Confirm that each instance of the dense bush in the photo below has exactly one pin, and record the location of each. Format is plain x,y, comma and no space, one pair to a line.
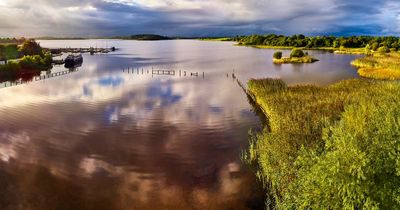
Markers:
10,67
28,62
30,47
383,50
297,53
36,62
278,55
8,51
359,168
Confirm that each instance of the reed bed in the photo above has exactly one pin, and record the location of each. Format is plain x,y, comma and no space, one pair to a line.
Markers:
379,66
302,120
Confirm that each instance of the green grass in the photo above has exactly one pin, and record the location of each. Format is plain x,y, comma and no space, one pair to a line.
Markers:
305,59
302,120
379,66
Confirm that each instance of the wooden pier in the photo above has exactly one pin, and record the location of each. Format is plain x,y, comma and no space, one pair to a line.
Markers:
91,50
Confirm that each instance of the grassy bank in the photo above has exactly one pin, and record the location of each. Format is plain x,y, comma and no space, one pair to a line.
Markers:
329,147
266,46
353,51
379,66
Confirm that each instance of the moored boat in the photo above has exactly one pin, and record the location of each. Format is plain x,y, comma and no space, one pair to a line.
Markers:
73,60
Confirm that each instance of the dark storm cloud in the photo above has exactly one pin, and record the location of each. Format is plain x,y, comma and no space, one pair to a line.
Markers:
197,18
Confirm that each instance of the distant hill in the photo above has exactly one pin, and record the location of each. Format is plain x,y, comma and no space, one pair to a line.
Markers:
150,37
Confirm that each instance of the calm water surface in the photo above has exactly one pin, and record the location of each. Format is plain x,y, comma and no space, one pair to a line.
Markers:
105,137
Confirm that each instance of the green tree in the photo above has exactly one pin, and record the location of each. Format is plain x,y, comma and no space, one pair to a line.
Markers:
30,47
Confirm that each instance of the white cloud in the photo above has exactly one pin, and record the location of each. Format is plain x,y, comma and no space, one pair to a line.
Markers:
194,17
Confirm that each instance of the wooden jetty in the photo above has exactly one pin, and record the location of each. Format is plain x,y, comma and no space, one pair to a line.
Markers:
90,50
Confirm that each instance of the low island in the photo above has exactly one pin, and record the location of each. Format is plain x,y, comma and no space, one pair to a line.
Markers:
296,56
147,37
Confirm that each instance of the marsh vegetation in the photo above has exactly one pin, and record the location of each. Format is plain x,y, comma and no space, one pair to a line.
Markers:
381,65
334,147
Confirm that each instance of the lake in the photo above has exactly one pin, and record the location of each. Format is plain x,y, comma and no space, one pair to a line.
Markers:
117,134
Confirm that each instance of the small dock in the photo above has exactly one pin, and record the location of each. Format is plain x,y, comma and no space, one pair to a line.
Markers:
91,50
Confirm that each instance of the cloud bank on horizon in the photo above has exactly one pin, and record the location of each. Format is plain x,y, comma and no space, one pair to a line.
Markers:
87,18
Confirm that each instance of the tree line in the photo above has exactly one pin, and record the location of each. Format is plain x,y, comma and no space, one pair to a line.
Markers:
301,40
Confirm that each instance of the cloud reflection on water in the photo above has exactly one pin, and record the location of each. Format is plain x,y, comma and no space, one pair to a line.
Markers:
104,138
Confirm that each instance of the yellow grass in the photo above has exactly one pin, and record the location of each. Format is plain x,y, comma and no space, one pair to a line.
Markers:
379,66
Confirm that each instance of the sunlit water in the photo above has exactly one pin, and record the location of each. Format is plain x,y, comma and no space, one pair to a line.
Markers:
105,137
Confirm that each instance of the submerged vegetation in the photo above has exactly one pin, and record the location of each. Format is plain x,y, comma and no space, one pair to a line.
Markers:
296,56
334,147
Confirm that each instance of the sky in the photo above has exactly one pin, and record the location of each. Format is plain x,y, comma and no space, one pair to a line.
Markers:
94,18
